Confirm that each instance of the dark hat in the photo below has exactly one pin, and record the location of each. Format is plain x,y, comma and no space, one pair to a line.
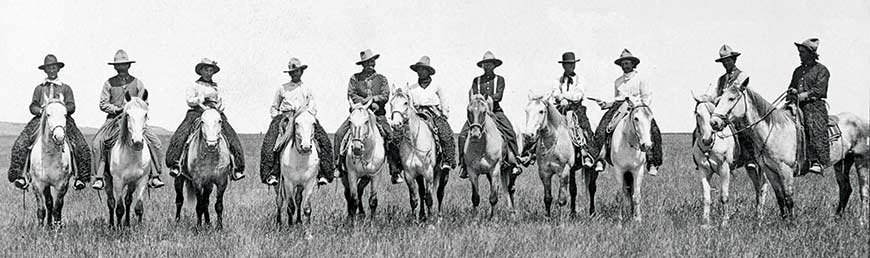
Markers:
725,52
568,57
206,62
489,57
423,63
50,60
627,55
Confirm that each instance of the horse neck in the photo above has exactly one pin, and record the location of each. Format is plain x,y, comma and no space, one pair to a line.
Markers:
765,119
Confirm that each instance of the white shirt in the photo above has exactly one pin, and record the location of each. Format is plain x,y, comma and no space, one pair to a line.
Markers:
432,95
633,86
573,92
291,96
199,92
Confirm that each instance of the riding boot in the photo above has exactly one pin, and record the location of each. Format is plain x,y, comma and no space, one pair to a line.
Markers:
527,156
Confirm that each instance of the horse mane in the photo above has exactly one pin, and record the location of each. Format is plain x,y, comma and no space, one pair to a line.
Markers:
762,107
481,98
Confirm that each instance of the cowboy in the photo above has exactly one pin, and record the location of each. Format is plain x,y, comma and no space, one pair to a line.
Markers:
808,90
492,86
568,95
51,87
431,101
364,86
202,95
292,97
112,101
633,86
735,77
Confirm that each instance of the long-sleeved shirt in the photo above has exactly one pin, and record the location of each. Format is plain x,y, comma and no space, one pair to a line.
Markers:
489,86
56,88
374,86
811,79
292,96
634,87
204,93
733,78
112,98
431,95
573,91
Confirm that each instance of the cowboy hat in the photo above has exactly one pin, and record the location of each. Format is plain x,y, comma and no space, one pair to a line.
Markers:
366,55
725,52
627,55
489,57
206,62
294,65
121,58
811,44
423,63
568,57
50,60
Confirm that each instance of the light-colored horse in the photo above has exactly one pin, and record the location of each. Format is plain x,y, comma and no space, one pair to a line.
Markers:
716,154
207,167
417,150
484,148
628,146
364,160
130,162
774,137
299,168
51,162
554,149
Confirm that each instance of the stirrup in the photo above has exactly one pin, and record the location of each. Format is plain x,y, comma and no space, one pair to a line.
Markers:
397,179
78,184
816,168
21,183
237,176
155,183
98,184
599,166
322,181
272,181
174,172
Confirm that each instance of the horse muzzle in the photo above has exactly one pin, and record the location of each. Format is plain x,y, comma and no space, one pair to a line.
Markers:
717,123
138,145
645,147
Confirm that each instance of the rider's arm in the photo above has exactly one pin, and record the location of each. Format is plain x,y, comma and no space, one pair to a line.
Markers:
274,110
442,97
820,89
68,99
576,91
312,104
498,89
194,97
105,106
352,92
645,91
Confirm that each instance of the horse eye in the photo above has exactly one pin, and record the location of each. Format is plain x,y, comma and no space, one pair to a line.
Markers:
541,112
731,99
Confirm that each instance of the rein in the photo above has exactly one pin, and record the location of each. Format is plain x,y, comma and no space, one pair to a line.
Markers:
725,119
636,133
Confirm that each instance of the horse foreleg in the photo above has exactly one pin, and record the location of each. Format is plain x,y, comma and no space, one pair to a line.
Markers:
429,189
776,182
863,170
708,199
474,179
636,197
350,193
58,195
572,191
219,203
724,197
441,180
279,203
206,194
49,206
590,177
41,206
841,172
495,185
373,197
310,188
759,183
546,180
179,197
412,195
788,188
128,200
564,182
360,190
121,197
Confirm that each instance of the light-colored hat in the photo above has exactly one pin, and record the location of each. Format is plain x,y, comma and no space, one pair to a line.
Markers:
366,55
121,58
206,62
50,60
811,44
725,52
294,65
423,63
489,57
627,55
568,57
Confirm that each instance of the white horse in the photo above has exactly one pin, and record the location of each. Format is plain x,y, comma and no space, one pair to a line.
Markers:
555,149
299,168
628,146
484,148
715,154
130,163
51,162
364,160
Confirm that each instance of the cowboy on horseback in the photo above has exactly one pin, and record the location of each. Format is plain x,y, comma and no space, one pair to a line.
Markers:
50,88
807,91
568,95
290,98
364,86
112,101
202,95
431,101
634,87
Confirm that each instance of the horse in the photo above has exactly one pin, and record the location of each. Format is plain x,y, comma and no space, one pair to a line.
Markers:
299,168
715,154
417,151
51,163
630,141
484,149
554,151
365,158
207,167
130,162
774,134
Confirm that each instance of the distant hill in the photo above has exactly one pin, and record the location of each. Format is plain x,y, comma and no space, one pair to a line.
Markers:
14,129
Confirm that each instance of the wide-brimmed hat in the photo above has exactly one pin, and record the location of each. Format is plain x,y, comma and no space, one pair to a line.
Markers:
50,60
206,62
294,65
489,57
366,55
725,52
627,55
568,57
811,44
121,58
423,63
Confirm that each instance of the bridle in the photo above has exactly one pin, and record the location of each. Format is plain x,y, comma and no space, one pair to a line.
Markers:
636,131
55,127
358,134
474,123
742,96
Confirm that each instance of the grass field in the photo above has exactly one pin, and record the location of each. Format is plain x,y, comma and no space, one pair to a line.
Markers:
671,225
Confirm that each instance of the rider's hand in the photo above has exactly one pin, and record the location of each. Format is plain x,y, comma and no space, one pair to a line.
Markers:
792,91
374,106
603,104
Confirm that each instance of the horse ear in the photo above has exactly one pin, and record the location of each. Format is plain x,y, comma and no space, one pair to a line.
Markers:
697,99
127,96
368,103
531,95
145,95
744,84
349,102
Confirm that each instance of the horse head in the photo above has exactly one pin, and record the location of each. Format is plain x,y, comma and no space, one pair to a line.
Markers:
136,116
640,119
54,120
303,131
402,107
537,111
362,125
732,105
704,105
478,109
211,127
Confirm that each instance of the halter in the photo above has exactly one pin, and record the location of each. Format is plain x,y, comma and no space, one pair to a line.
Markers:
202,133
474,123
298,139
704,147
357,134
636,133
742,96
45,116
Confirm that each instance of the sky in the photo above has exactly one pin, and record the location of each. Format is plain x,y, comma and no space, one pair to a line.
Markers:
252,41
